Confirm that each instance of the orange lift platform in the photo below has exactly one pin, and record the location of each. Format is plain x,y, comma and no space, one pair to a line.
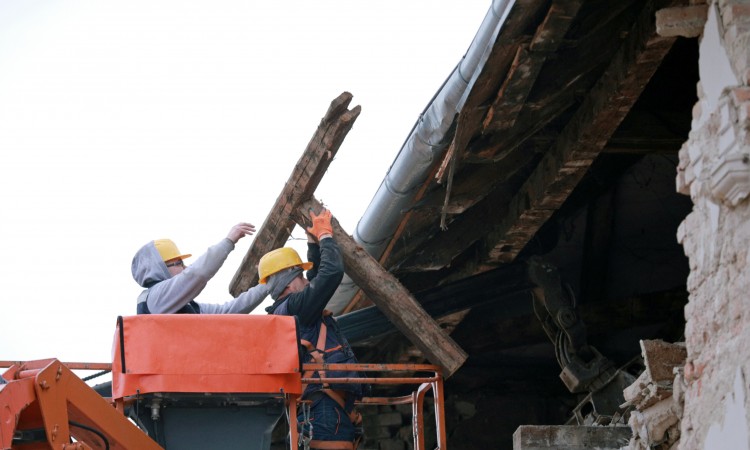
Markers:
185,382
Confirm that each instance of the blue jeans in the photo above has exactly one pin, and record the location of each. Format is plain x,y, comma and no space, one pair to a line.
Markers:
329,420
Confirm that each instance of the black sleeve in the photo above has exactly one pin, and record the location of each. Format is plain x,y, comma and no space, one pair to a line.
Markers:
313,255
308,304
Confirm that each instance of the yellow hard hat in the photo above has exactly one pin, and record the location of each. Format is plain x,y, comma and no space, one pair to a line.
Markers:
278,260
168,250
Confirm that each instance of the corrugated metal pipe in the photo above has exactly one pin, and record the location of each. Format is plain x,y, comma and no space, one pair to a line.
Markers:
425,144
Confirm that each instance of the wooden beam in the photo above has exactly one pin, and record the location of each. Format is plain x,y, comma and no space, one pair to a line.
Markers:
395,301
438,253
507,285
624,80
582,139
301,185
560,85
511,96
528,62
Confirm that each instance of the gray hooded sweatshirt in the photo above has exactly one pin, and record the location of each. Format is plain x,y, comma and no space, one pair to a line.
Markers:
165,294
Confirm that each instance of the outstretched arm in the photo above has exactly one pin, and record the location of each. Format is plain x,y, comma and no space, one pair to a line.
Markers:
172,294
243,304
309,304
240,230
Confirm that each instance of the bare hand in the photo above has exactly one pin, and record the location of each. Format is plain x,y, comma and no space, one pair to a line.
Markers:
240,230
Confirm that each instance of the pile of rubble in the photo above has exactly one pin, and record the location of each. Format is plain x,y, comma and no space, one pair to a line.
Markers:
656,398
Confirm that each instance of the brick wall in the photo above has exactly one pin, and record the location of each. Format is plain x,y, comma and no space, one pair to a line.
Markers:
715,171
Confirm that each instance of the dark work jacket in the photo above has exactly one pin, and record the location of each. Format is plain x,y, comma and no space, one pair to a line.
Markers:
308,305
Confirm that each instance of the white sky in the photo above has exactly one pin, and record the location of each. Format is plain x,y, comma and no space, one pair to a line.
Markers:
123,122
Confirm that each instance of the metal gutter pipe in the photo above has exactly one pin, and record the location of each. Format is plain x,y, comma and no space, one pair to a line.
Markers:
426,142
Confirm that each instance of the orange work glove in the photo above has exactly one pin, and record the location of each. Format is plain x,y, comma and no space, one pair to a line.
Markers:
321,224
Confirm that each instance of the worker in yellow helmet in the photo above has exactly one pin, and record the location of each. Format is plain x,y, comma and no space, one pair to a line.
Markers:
335,422
171,287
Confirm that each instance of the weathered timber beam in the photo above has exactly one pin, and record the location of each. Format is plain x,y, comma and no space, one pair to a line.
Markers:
479,195
462,232
504,111
560,85
553,29
509,100
582,139
482,91
508,284
301,185
395,301
528,62
500,60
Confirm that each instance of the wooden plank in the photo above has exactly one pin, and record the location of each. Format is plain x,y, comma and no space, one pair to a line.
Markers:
436,254
395,301
558,87
508,285
553,180
522,76
555,26
513,92
510,99
582,139
301,185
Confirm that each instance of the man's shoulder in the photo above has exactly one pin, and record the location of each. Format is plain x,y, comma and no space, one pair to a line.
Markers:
280,308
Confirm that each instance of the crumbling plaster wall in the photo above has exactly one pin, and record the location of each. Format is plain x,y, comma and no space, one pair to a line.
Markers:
714,170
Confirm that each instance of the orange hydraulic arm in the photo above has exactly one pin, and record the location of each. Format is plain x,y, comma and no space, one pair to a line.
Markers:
163,362
46,400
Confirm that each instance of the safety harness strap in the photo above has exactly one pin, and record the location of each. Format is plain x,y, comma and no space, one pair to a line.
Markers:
354,415
316,353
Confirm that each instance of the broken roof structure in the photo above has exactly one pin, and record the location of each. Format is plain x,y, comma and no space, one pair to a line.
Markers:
532,212
542,131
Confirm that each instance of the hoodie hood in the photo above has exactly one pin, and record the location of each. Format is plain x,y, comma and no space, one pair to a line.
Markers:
147,267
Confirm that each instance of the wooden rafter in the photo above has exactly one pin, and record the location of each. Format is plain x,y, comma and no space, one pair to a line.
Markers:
292,205
528,62
305,177
392,298
520,216
583,138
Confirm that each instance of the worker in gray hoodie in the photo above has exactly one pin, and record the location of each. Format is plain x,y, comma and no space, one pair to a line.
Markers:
171,287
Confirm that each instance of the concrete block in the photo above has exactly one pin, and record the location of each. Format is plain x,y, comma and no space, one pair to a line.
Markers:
570,437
